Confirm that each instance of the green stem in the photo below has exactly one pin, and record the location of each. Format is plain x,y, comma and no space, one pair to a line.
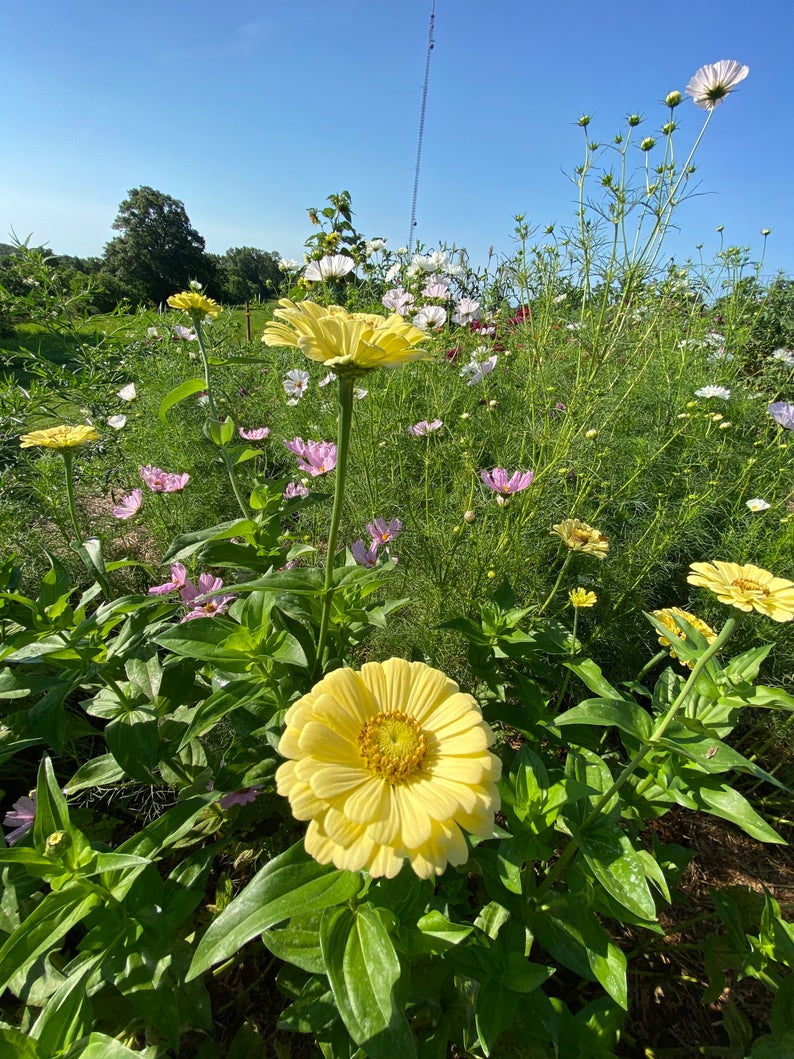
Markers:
67,459
214,414
568,853
346,385
553,592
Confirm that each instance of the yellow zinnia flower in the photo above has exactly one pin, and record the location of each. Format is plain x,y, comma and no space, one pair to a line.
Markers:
747,587
343,340
196,305
389,763
62,437
580,597
580,537
666,618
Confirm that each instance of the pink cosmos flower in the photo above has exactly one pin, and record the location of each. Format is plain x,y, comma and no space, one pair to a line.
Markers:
256,434
465,311
398,300
439,290
203,605
498,480
478,369
160,481
178,579
420,429
365,556
185,334
382,531
191,593
21,816
314,457
129,505
295,489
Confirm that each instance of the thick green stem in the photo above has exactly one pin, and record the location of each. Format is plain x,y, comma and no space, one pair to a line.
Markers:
67,459
346,385
214,415
557,583
664,723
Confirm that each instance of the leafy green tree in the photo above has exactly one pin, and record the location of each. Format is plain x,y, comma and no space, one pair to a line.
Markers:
247,274
158,251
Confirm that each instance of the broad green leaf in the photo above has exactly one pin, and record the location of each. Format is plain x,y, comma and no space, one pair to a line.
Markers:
615,864
291,884
44,927
90,551
721,800
363,969
496,1009
188,543
68,1014
179,393
100,771
590,675
100,1046
16,1045
298,943
52,812
622,713
214,708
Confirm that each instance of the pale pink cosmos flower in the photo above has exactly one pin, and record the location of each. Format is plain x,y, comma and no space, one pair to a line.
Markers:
185,334
327,380
160,481
436,290
295,489
129,505
499,480
465,311
783,414
21,816
198,599
478,369
332,266
365,556
178,580
256,434
713,82
297,445
422,428
382,532
398,300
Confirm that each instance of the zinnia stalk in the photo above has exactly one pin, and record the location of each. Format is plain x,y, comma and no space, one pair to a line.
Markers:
388,764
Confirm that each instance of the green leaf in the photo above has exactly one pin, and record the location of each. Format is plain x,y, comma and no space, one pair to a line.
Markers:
100,771
187,543
100,1046
570,932
19,1045
52,812
298,943
220,431
622,713
231,696
496,1009
363,969
179,393
68,1014
291,884
721,800
615,864
590,675
90,551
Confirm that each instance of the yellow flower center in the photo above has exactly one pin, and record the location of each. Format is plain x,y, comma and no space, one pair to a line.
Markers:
746,584
581,536
393,745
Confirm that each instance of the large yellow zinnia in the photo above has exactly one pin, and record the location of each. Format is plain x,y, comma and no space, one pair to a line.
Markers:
580,537
747,587
389,763
62,437
343,340
196,305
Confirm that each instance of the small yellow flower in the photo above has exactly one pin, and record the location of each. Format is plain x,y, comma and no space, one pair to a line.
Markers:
196,305
342,340
62,437
746,587
580,537
580,597
590,433
666,618
388,764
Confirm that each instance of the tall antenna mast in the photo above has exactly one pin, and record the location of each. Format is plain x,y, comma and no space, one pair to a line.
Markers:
422,111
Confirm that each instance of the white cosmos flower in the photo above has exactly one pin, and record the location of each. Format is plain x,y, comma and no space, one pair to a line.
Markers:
117,422
478,369
465,311
332,266
431,318
374,245
127,393
713,82
713,391
295,384
784,356
757,504
289,264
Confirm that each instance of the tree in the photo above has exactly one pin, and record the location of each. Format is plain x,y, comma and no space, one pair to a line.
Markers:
158,251
247,274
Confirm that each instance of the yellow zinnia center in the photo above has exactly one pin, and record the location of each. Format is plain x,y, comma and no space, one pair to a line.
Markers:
746,584
393,745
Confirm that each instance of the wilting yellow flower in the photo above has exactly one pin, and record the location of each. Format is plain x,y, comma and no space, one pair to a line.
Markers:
580,537
666,618
580,597
62,437
389,763
195,304
340,340
747,587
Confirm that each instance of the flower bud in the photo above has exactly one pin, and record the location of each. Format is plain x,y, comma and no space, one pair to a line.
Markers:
584,121
669,128
469,516
672,99
647,143
590,433
765,231
57,843
634,120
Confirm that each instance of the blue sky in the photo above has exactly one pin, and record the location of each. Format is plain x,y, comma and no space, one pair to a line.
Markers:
250,112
